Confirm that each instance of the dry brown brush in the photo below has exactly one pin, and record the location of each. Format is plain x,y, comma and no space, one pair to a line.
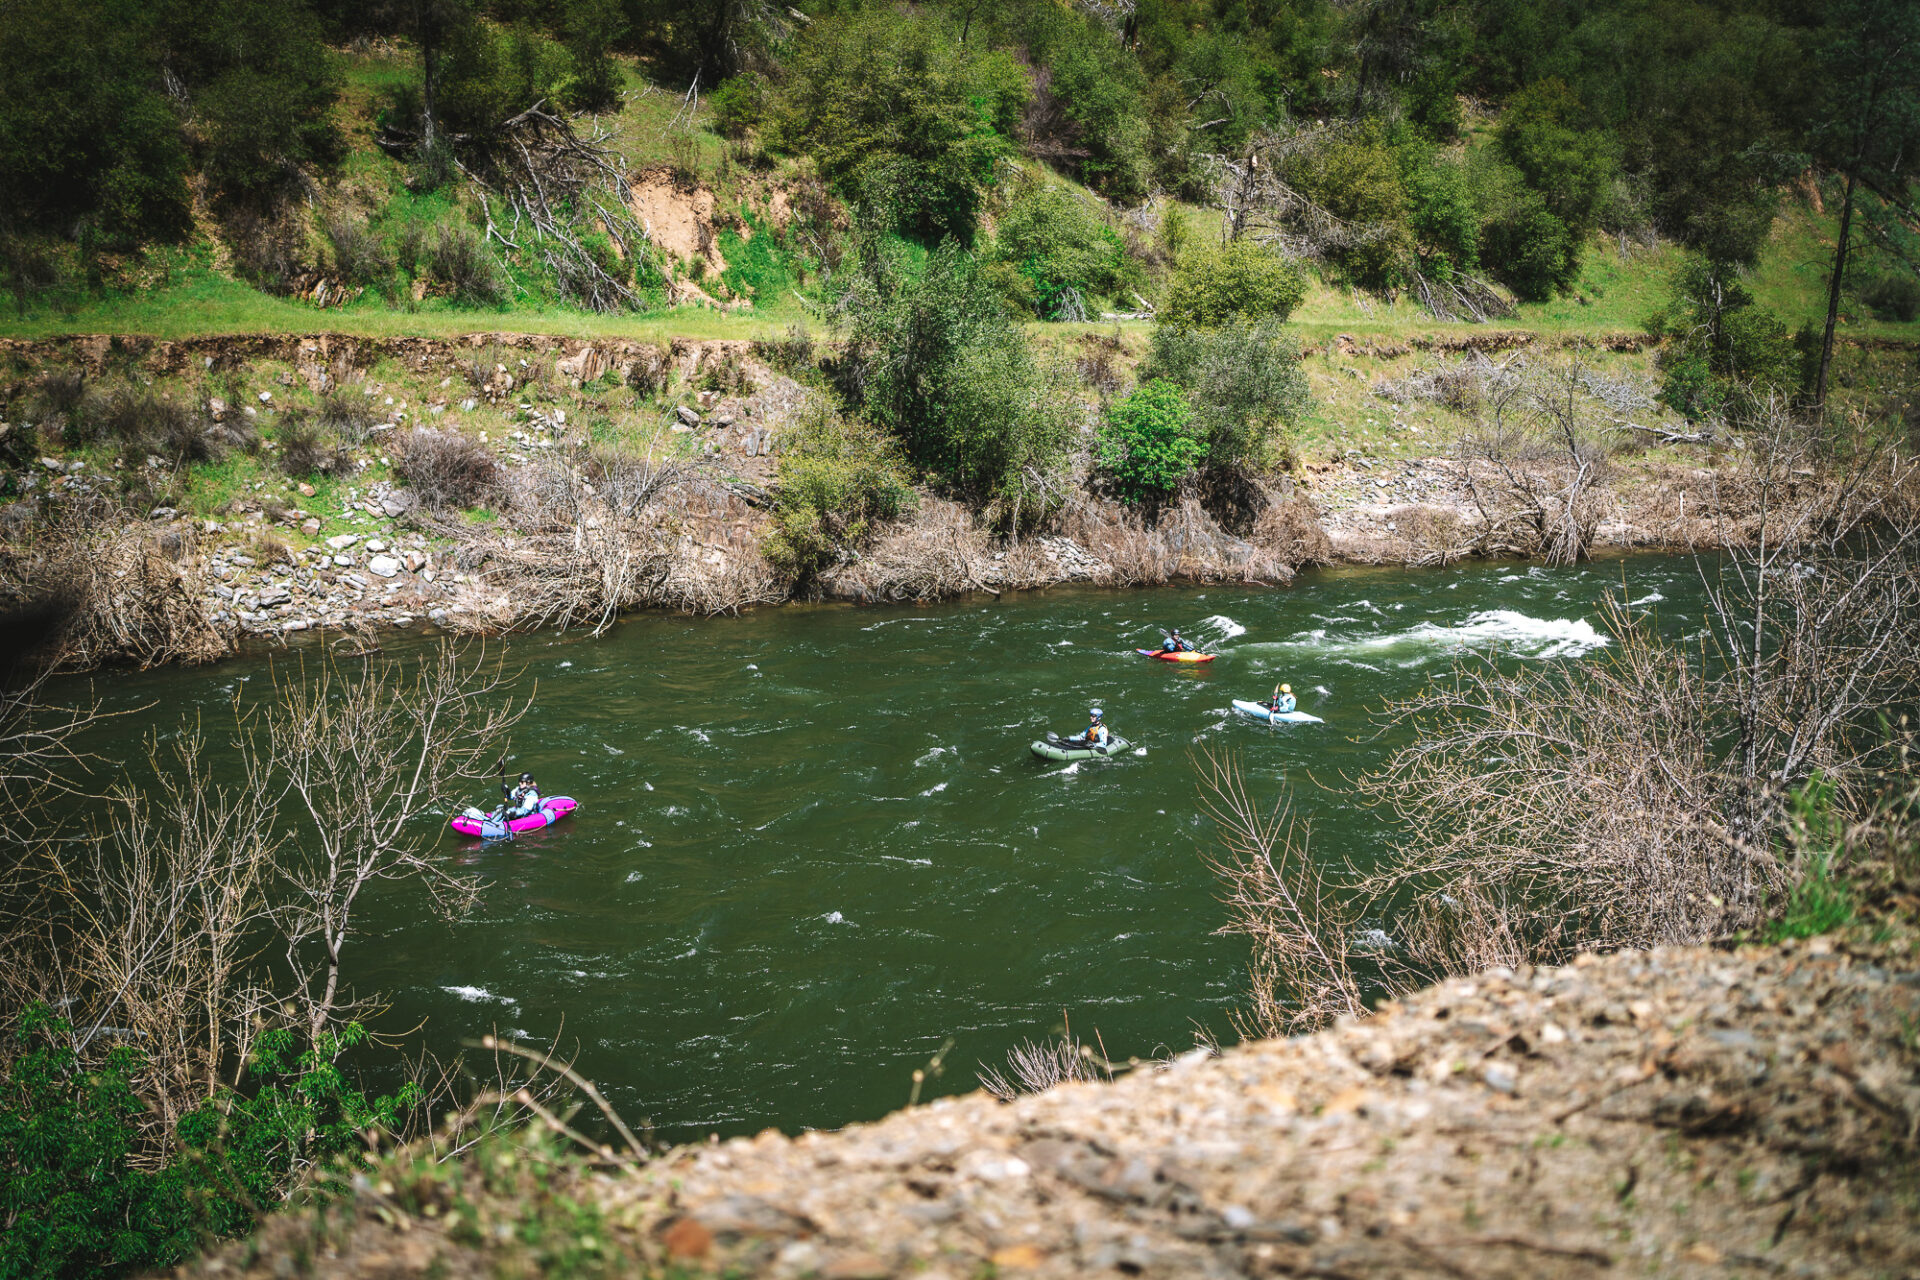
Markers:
1643,798
125,589
1278,897
196,914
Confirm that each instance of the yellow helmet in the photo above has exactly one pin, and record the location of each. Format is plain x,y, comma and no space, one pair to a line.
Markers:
1286,688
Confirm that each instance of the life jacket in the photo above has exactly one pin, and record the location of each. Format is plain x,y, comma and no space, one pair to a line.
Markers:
1097,733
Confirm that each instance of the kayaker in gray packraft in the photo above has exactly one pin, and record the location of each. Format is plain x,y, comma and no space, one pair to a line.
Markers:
1096,734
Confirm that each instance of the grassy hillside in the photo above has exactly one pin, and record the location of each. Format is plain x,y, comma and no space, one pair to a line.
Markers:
197,289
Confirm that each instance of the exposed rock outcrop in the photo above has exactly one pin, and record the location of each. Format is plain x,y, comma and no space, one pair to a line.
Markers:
1675,1113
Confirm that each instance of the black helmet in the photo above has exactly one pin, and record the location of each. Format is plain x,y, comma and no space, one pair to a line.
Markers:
526,777
1176,631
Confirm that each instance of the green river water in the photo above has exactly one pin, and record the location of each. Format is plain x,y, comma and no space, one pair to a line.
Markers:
813,845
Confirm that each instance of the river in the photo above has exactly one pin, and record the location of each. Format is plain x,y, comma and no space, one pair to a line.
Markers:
813,846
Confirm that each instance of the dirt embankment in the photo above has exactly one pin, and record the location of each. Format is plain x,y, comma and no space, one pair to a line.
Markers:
1676,1113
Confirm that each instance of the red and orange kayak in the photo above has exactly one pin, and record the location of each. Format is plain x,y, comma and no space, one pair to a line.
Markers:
1188,656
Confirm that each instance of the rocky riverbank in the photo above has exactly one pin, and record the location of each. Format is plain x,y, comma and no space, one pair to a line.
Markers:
696,430
1677,1113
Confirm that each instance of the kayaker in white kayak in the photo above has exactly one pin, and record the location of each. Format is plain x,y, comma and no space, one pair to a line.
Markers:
1283,700
522,800
1096,734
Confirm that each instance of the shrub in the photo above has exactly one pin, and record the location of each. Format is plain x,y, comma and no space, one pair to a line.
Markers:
1238,281
460,260
1724,355
358,255
935,360
899,115
306,449
1358,181
1245,384
838,478
347,415
1894,297
445,468
739,105
1149,442
1050,246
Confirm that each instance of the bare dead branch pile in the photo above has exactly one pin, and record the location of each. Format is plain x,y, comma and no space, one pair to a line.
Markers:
1534,471
939,551
563,202
129,589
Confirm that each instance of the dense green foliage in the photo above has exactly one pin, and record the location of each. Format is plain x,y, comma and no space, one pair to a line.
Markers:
934,358
1149,443
1724,353
1245,383
106,106
1051,250
899,116
81,1190
839,478
1237,281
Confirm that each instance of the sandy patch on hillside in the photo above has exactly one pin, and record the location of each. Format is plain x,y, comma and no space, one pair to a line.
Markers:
679,219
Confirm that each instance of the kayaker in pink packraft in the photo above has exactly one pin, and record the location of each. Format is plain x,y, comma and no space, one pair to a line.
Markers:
522,800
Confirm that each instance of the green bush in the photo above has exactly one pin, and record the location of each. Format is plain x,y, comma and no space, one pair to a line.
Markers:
1245,383
1358,180
1050,242
934,358
739,105
838,478
1724,355
1523,244
86,1193
1239,281
1149,442
899,116
1892,297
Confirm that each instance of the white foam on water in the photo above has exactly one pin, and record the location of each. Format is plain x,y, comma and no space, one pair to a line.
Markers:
930,756
912,862
935,789
834,917
1652,597
753,666
477,995
1226,626
634,877
566,664
611,750
1504,629
698,733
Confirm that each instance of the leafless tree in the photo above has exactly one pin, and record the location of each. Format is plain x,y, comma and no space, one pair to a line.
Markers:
1641,799
1535,468
362,750
1278,897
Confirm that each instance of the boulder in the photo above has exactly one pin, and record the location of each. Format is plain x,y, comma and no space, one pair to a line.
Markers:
383,566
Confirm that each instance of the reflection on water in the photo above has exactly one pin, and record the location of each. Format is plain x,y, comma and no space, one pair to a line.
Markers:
813,844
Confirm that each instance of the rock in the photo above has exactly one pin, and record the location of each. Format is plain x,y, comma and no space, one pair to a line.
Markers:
344,560
309,527
383,566
341,541
305,490
688,416
376,545
266,397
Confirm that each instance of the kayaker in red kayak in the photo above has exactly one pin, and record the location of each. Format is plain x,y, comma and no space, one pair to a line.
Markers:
1174,644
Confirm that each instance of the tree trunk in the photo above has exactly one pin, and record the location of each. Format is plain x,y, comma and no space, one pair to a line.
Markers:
430,74
1833,299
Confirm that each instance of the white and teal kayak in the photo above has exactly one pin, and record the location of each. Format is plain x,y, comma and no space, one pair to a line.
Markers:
1064,750
1259,712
